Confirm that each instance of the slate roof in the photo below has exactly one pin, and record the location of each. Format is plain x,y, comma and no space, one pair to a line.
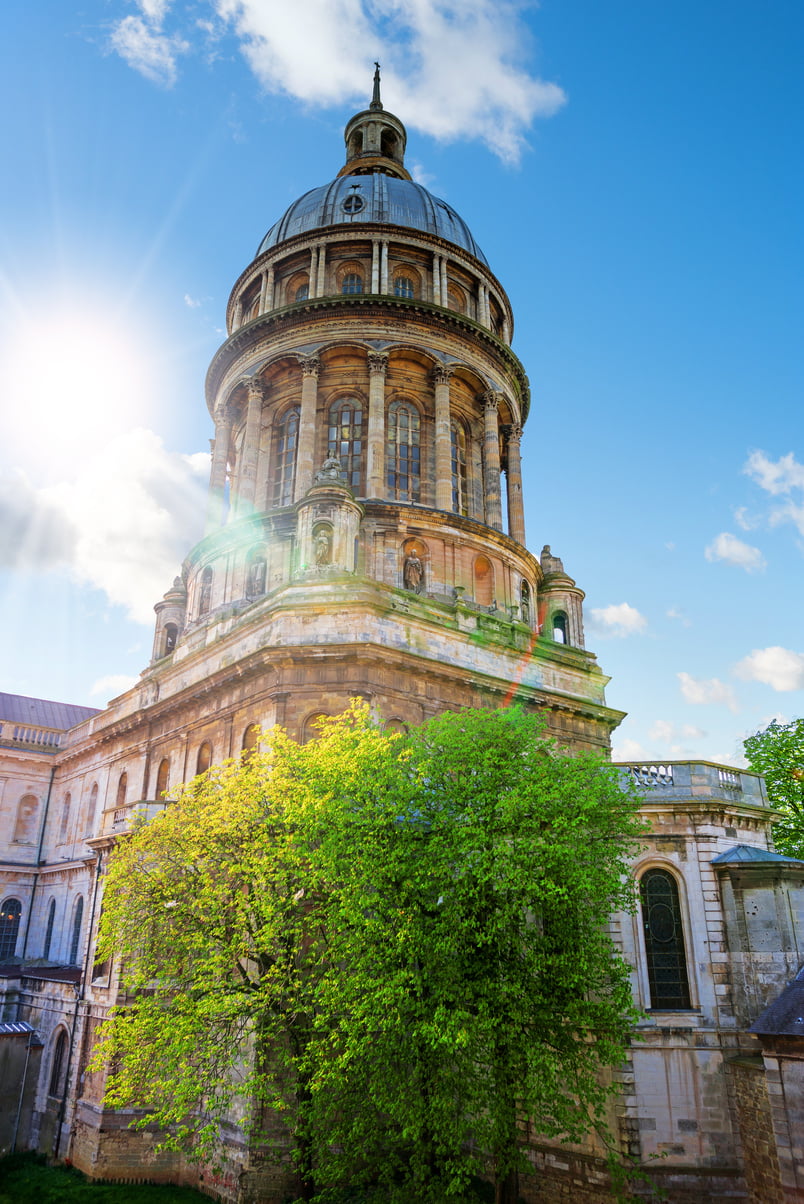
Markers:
38,712
747,853
785,1016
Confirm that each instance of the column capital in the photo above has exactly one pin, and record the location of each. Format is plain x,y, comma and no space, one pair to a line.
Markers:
442,374
377,362
512,432
491,399
257,389
222,414
310,364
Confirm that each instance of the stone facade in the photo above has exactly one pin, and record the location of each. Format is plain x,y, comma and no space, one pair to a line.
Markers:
366,537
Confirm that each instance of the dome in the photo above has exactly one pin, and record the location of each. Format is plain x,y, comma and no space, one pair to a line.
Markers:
375,198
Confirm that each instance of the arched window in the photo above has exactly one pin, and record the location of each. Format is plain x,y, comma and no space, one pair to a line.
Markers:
524,602
352,283
251,738
458,466
302,292
455,300
388,143
25,825
65,817
204,758
9,927
310,729
484,581
171,635
560,627
287,439
122,787
51,918
664,941
345,439
403,452
205,595
75,931
57,1066
91,810
162,779
403,287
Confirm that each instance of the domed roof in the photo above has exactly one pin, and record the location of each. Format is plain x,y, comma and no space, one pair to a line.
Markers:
376,198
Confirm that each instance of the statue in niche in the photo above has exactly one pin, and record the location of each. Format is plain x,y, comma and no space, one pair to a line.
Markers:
330,470
256,578
413,573
524,598
323,548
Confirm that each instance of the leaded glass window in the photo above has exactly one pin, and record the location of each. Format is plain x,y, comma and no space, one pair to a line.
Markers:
403,452
403,287
352,283
664,941
287,440
75,937
458,463
345,439
9,927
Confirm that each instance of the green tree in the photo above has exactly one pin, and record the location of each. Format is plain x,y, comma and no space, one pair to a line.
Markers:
400,943
777,752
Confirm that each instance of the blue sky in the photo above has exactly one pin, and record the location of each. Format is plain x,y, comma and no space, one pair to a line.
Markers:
632,171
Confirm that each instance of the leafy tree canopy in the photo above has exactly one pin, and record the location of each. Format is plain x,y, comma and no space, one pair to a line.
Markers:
397,945
778,754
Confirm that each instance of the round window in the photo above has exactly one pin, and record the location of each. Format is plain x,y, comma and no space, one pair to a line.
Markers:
353,203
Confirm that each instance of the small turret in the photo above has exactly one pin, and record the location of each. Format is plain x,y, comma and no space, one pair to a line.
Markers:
375,140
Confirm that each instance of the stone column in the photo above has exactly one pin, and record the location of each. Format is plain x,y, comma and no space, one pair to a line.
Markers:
375,438
384,269
251,446
491,460
506,332
443,441
513,477
314,272
437,279
444,283
217,475
375,266
267,291
305,452
322,271
238,315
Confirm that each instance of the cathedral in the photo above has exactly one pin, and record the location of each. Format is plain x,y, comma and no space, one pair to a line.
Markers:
365,537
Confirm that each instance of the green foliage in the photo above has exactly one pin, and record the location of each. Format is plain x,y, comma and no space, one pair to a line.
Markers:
778,754
399,944
27,1179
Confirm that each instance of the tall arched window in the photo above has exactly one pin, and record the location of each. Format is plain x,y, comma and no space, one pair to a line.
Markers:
346,439
458,466
65,817
403,452
57,1066
484,581
205,593
75,931
10,914
287,440
352,283
122,787
560,627
171,635
25,825
664,941
51,919
251,738
91,810
310,729
162,778
204,758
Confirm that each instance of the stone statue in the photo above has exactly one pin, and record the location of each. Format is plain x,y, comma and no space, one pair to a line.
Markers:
413,573
206,597
330,470
256,578
323,548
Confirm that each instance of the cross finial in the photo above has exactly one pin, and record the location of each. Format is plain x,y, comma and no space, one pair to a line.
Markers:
376,103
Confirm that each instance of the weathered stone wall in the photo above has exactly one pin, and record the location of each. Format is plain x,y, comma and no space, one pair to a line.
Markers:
753,1112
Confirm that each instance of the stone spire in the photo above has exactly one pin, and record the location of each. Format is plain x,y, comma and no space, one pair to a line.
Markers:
376,103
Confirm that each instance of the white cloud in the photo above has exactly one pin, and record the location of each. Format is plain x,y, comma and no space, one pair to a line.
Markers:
629,750
144,45
110,686
732,550
708,691
665,732
619,619
122,526
675,612
744,520
775,476
192,302
777,667
452,68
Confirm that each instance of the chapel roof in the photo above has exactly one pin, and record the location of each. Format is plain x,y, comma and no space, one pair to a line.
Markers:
39,712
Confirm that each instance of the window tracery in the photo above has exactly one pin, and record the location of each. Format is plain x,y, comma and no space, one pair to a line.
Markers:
403,452
287,441
345,439
664,940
